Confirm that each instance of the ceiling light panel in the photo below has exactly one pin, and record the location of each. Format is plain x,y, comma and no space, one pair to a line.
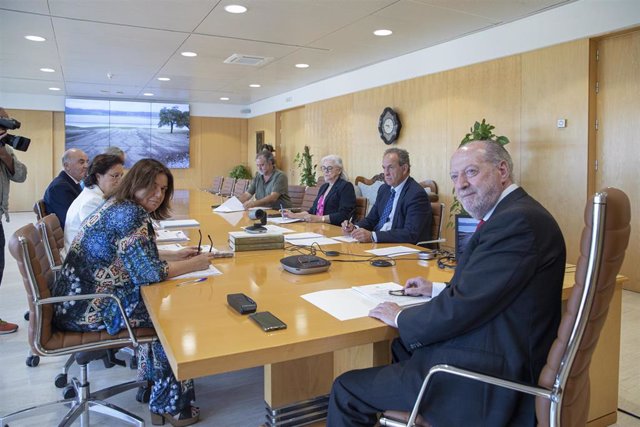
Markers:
289,22
129,53
140,13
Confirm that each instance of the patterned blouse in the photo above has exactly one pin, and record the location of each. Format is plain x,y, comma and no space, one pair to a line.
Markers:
114,252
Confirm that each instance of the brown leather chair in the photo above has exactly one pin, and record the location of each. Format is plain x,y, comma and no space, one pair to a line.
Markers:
310,194
40,209
562,396
227,187
240,187
437,215
433,189
296,193
53,239
216,185
361,208
27,247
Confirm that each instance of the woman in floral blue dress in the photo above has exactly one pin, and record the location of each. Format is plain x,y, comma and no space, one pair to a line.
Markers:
115,252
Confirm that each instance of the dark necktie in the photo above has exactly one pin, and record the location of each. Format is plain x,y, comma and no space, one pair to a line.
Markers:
479,224
387,210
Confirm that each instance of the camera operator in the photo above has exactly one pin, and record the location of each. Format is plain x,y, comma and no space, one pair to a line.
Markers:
10,170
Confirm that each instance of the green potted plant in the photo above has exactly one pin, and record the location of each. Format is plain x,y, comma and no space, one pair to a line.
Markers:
304,161
240,172
478,132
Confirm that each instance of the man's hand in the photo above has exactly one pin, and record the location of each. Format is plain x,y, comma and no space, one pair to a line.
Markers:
418,286
362,235
387,312
248,204
347,227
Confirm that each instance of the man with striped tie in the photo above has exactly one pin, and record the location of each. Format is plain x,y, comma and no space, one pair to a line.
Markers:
401,213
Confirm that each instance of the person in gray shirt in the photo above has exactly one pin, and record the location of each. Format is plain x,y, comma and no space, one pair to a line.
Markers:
270,186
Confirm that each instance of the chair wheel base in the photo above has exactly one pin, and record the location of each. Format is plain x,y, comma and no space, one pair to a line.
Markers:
144,394
32,361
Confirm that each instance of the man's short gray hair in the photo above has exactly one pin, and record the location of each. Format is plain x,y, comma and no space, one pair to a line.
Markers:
403,155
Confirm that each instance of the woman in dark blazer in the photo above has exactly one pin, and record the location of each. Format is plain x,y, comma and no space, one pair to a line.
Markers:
336,201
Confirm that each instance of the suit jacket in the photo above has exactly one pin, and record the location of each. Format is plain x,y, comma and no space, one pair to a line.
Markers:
412,219
498,315
339,204
59,195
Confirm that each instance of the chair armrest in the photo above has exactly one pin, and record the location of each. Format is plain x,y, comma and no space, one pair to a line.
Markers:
55,300
476,376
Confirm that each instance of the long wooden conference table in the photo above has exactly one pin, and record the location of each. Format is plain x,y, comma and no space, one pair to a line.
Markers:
203,336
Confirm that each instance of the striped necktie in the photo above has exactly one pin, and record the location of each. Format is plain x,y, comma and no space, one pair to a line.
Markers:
387,210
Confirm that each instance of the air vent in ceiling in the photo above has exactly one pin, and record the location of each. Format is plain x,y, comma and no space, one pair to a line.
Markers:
251,60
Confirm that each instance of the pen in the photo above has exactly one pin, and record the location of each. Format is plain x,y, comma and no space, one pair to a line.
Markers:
281,211
189,282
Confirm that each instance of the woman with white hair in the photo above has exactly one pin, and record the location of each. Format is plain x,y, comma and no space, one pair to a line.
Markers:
336,200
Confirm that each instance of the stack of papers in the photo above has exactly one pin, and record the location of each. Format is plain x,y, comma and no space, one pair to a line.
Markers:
307,239
345,304
393,251
176,223
171,236
280,220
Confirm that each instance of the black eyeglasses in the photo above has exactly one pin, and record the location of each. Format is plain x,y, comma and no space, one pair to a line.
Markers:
200,242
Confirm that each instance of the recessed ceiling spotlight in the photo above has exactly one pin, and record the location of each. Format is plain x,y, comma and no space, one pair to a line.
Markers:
47,70
254,85
35,38
383,33
54,88
235,8
224,98
104,91
164,79
120,92
147,94
189,54
302,65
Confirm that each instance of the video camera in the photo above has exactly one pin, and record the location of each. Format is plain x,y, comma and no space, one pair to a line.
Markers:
18,142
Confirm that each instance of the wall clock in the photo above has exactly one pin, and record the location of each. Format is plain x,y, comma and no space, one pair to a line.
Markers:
389,126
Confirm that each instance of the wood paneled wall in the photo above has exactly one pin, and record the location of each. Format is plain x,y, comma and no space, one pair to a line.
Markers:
217,145
522,95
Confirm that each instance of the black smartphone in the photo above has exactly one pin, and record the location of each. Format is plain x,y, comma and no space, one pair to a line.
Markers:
267,321
241,303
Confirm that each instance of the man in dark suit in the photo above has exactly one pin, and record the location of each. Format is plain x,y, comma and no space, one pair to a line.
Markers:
498,315
64,188
401,213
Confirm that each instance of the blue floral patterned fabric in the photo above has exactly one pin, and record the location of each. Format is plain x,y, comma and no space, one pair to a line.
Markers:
115,253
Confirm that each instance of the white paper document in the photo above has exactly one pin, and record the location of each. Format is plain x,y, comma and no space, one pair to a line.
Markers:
231,205
345,304
280,220
346,239
232,218
211,271
171,236
393,251
179,223
307,239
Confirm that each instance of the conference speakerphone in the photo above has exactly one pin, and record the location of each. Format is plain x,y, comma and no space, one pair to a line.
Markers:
305,264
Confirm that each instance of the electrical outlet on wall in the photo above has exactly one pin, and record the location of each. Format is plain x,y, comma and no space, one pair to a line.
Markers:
562,123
